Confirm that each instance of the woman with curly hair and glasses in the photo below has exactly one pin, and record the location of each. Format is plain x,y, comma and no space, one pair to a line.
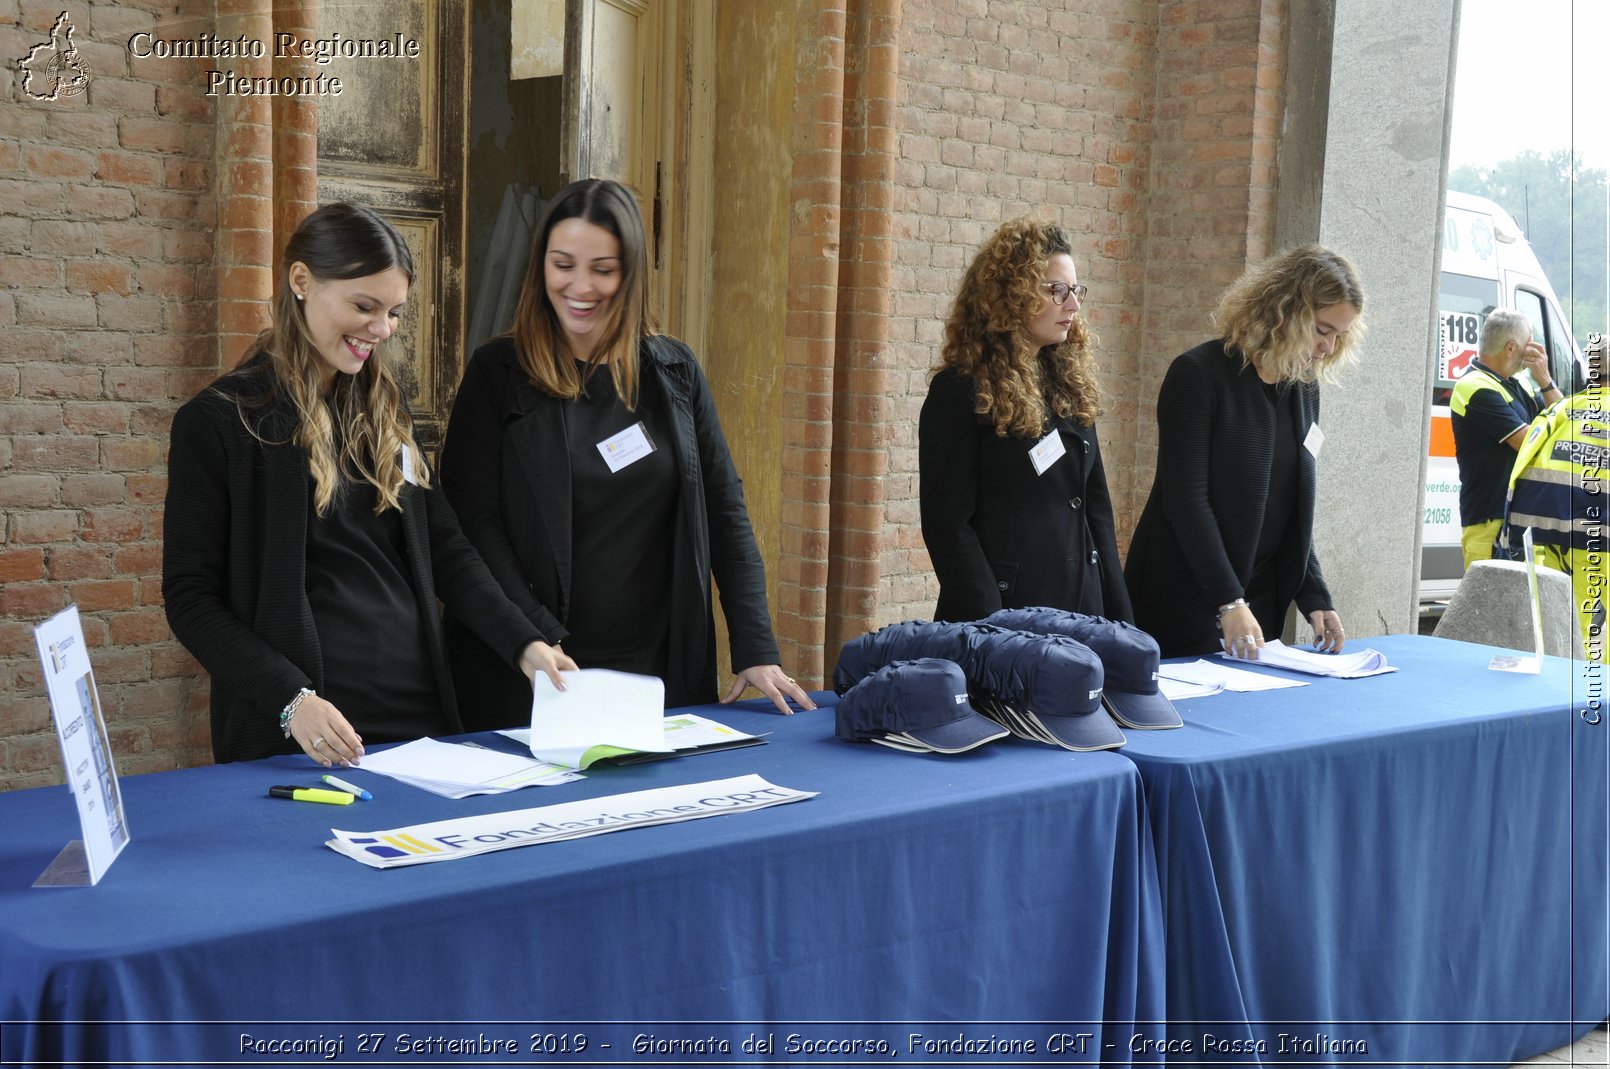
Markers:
1015,510
1225,543
304,547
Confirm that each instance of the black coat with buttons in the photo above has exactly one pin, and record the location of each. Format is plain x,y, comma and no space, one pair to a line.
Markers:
1000,535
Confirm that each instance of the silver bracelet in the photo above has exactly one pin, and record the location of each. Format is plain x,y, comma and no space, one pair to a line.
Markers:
1238,603
290,710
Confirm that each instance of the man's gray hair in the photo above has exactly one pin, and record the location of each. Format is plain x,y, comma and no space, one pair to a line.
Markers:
1503,325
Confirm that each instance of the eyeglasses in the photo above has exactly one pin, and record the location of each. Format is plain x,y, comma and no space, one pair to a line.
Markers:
1061,290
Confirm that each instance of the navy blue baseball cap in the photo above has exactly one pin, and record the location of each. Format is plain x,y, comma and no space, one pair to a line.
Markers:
905,641
1129,655
919,703
1050,684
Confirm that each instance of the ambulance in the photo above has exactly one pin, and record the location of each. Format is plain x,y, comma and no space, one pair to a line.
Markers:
1486,264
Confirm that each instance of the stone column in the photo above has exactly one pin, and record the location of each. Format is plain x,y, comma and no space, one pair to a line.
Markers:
1376,139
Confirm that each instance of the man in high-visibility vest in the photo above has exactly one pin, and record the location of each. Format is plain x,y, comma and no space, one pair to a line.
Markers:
1490,411
1557,488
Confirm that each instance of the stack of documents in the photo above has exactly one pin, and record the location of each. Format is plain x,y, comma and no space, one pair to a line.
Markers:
1277,654
458,770
599,716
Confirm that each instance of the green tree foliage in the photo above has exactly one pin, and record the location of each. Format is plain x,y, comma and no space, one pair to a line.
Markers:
1563,219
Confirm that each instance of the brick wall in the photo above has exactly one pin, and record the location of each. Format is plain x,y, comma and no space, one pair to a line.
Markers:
1007,108
107,321
138,238
1211,203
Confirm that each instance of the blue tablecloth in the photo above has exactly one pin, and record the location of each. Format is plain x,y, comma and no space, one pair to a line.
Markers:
1013,884
1351,862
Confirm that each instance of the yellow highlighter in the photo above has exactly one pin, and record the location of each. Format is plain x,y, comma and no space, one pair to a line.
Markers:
311,794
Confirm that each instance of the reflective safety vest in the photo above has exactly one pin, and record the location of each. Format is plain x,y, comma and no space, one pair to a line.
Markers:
1477,378
1557,486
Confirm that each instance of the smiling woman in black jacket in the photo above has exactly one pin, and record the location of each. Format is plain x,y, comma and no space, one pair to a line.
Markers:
1225,543
1015,510
587,465
304,547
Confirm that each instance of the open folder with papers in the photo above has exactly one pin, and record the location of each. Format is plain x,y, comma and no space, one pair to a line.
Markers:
599,714
685,733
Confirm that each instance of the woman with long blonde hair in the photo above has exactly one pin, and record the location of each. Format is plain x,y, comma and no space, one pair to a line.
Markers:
1224,545
304,543
587,464
1015,509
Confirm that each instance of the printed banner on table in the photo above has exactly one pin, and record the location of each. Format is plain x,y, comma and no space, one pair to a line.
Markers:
449,840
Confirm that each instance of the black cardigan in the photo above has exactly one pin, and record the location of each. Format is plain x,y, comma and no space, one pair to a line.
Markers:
1001,536
1195,544
234,563
506,469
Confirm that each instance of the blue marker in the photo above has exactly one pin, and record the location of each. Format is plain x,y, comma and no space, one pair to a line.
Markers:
336,781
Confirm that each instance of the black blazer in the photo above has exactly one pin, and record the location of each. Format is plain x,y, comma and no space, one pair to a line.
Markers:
1001,536
234,567
1195,544
506,469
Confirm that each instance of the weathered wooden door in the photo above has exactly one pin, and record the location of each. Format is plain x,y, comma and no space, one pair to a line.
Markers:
394,141
638,94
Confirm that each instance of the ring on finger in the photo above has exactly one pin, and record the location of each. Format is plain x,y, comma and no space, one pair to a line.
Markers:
318,742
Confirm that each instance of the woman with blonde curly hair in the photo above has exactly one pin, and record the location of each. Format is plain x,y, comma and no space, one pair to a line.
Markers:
1224,545
1015,510
304,546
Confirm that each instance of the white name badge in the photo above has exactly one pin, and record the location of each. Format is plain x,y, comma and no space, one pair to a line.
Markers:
1315,439
409,474
1049,450
626,448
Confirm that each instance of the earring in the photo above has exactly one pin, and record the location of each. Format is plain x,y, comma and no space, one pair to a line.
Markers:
299,296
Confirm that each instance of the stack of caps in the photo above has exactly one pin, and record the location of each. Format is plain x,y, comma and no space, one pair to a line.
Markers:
1129,657
919,705
1042,687
906,641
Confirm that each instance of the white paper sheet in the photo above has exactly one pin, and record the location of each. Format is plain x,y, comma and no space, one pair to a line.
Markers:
597,709
1356,665
1178,689
455,770
1207,673
683,731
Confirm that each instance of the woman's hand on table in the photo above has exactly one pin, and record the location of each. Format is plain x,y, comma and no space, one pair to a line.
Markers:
1328,633
324,734
774,683
1243,638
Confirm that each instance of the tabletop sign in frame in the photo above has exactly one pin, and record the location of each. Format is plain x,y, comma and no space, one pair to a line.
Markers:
75,707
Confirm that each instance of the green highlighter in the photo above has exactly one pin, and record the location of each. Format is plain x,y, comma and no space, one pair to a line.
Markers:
311,794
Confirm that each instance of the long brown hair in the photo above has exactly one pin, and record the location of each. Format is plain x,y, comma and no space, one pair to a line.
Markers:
986,338
538,336
339,241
